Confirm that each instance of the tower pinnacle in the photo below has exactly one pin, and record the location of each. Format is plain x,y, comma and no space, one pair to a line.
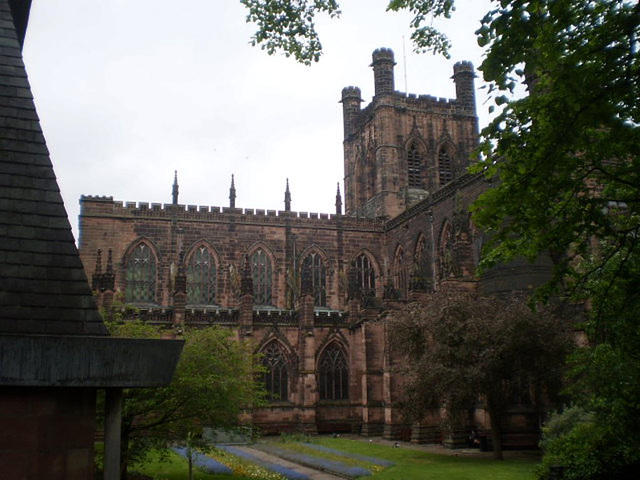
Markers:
287,198
232,193
174,192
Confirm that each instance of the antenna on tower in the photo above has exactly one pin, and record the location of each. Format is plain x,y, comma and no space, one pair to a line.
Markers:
404,64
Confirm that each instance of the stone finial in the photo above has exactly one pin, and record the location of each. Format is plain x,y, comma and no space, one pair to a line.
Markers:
246,282
232,193
180,285
287,198
338,201
109,277
174,192
96,278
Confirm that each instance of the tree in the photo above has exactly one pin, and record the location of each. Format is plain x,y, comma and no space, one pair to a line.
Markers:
213,384
460,348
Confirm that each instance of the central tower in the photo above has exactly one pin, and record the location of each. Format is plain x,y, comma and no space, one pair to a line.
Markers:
400,148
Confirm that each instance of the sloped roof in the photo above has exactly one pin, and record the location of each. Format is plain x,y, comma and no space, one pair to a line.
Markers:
43,287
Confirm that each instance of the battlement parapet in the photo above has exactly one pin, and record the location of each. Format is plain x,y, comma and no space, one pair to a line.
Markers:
92,206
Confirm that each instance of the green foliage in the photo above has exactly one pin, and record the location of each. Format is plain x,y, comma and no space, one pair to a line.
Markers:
289,26
425,36
213,384
459,346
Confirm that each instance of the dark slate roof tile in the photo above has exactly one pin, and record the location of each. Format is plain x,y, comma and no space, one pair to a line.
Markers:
43,287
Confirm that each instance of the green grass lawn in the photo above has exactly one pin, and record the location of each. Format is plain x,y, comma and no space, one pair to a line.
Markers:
416,464
409,464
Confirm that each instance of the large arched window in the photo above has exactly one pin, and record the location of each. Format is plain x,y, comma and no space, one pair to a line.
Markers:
366,276
261,273
141,275
414,164
445,166
275,376
333,374
313,268
201,277
400,273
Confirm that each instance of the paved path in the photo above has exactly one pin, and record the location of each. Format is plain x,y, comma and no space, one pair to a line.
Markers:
309,472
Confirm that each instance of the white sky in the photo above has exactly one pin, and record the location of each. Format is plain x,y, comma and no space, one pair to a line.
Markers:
130,90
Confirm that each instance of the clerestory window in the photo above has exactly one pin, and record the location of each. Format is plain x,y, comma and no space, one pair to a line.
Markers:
313,267
201,277
261,273
141,275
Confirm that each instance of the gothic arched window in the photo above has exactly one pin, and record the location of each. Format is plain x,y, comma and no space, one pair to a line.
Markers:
275,376
314,269
400,273
414,163
366,276
261,272
445,166
333,374
141,275
201,277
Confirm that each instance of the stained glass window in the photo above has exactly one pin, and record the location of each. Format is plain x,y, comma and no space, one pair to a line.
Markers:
445,167
261,272
201,277
366,276
276,377
141,275
314,267
333,374
414,161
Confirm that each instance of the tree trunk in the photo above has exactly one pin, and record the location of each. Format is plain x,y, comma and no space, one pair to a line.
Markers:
496,432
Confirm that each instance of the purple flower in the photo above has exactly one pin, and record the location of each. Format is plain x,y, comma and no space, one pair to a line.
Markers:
204,462
318,463
286,472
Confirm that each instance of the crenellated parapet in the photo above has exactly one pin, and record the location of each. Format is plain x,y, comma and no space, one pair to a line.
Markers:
105,206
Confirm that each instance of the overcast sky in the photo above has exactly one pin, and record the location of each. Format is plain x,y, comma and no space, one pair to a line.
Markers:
130,90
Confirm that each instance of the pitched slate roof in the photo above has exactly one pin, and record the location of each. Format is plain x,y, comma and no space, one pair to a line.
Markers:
43,287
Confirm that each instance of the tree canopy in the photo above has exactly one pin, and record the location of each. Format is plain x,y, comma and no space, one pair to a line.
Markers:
213,383
458,348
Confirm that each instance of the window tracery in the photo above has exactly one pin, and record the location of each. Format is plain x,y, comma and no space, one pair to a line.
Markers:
261,273
140,276
275,376
201,277
333,374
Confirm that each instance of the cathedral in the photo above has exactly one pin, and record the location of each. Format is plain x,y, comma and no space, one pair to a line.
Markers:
310,289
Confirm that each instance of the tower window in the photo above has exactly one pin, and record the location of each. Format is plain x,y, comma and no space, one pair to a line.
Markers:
414,162
333,374
141,275
445,167
201,278
275,376
261,272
